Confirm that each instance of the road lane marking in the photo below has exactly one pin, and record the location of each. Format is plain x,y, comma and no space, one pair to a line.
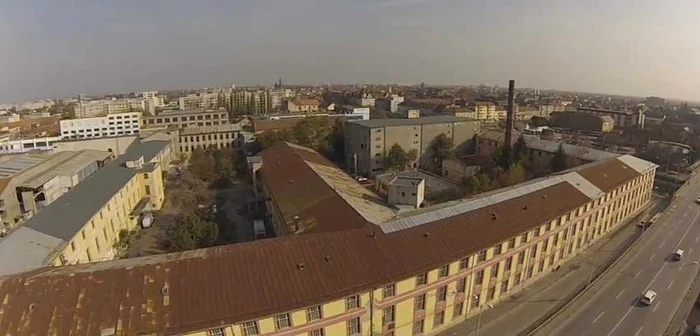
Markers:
638,331
656,306
637,274
597,317
652,256
618,295
696,238
664,243
655,276
669,285
690,251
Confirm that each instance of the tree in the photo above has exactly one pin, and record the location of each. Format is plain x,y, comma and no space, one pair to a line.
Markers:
313,132
336,142
411,157
396,158
267,139
224,162
519,149
516,174
440,149
559,161
203,166
193,230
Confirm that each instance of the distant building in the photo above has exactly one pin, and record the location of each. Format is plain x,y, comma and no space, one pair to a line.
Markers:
200,101
457,170
582,121
191,118
622,119
252,102
8,146
361,113
486,111
111,125
654,102
147,103
390,103
547,109
219,136
300,105
368,141
461,112
363,99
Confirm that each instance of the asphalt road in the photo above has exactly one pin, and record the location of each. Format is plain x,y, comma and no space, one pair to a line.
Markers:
613,308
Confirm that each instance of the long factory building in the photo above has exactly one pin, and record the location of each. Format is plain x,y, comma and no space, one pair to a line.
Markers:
355,268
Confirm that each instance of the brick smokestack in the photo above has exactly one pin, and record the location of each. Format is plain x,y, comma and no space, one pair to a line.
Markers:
510,115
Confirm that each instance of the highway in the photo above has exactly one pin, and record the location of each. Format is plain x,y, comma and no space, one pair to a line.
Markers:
611,306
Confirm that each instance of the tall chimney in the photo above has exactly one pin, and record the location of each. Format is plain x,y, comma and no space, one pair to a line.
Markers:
510,114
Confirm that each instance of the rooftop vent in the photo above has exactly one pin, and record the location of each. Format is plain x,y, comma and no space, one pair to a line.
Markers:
524,207
300,266
165,290
31,306
327,258
372,234
290,181
108,331
493,216
544,196
426,235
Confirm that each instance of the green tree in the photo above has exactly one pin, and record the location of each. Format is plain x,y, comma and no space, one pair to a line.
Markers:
313,132
336,142
267,139
519,149
559,161
191,231
224,162
482,182
411,157
396,158
516,174
440,149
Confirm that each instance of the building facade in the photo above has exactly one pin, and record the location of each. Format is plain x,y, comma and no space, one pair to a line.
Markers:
623,119
384,280
181,119
219,136
486,111
117,124
582,121
299,105
367,142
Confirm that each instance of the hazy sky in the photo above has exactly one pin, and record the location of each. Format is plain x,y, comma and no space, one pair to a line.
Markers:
63,48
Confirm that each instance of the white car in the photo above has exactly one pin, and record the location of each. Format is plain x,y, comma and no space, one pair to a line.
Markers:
696,330
648,297
697,200
678,254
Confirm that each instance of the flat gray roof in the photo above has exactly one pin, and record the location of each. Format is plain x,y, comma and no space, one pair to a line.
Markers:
66,216
26,249
406,122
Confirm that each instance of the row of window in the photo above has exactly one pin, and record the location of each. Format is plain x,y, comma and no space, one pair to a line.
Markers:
591,223
161,120
208,137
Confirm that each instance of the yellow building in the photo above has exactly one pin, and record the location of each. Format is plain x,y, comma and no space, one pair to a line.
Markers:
407,275
83,225
485,111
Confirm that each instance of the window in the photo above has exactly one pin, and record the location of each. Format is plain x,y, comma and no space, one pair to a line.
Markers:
317,332
444,271
458,310
418,327
145,176
511,243
491,293
72,246
537,231
389,290
482,255
282,321
215,332
439,319
461,285
441,294
509,262
479,277
314,313
421,279
419,302
82,233
388,316
354,326
497,249
494,269
148,190
251,328
352,302
463,263
475,300
504,286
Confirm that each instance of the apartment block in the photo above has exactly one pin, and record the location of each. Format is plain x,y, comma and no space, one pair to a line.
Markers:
624,118
362,272
82,225
300,105
486,111
117,124
252,102
148,102
201,101
181,119
582,121
219,136
368,141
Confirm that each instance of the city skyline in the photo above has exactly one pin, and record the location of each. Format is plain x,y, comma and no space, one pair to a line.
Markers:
55,51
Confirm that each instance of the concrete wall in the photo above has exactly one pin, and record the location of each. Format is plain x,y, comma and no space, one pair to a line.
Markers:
116,145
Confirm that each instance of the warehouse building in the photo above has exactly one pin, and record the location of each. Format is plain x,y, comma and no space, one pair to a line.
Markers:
366,270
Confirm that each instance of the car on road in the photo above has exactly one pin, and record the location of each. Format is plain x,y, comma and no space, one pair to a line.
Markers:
678,254
648,297
651,221
696,330
697,200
